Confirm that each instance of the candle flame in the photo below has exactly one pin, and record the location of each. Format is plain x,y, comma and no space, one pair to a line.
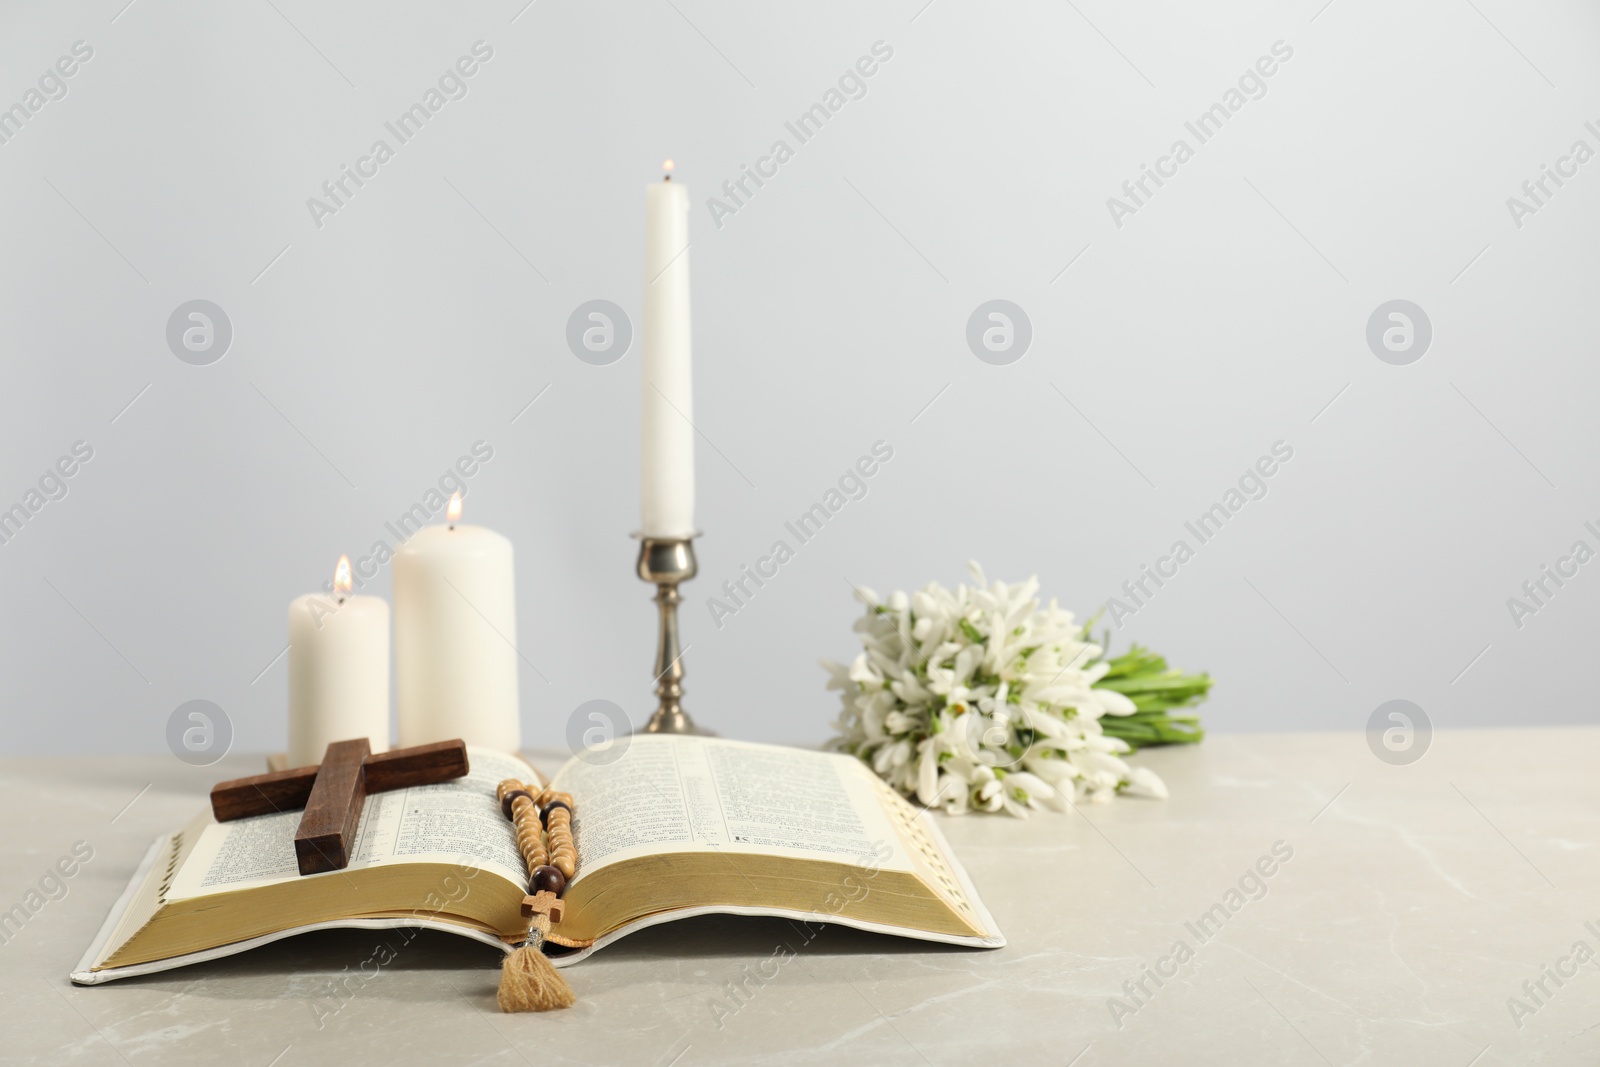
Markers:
453,511
342,582
667,165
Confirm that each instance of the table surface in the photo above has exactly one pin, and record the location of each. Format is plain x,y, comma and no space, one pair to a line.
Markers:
1413,903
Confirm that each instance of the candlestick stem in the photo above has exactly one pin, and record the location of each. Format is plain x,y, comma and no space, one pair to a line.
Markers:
666,562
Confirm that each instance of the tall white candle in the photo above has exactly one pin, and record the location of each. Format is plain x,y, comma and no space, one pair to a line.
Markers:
338,670
666,461
455,634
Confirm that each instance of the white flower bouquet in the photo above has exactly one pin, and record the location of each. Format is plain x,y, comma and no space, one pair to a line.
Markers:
979,699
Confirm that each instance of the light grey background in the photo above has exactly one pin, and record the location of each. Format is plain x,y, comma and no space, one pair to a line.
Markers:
1229,313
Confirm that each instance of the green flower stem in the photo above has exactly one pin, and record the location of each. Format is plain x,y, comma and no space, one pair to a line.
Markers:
1158,692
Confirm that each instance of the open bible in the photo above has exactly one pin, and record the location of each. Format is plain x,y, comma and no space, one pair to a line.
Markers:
666,827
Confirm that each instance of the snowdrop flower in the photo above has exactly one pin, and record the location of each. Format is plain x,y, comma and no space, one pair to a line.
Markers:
1145,783
982,699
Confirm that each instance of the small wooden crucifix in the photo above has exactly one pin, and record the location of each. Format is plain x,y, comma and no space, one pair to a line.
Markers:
334,792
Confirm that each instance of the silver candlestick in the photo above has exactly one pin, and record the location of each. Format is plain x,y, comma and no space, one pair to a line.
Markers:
666,561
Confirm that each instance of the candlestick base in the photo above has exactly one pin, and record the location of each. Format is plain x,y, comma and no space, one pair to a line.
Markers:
675,721
665,562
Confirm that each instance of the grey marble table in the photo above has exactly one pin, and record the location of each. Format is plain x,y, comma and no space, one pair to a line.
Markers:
1296,901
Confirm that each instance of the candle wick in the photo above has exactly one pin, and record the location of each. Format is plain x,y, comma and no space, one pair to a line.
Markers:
452,526
666,178
341,600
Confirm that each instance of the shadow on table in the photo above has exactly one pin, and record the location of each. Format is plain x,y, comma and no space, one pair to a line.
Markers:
308,963
755,936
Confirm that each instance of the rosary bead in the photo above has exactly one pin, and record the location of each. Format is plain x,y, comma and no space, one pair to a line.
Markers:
542,823
509,796
547,879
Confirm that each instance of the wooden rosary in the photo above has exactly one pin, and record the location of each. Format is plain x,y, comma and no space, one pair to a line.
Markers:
543,822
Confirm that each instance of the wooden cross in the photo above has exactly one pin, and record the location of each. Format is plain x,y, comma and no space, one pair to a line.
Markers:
544,904
334,792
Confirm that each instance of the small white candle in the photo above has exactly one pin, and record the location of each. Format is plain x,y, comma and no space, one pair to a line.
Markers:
666,461
338,670
455,634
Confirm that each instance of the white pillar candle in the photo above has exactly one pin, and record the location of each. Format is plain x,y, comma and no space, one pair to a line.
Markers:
455,634
666,462
338,670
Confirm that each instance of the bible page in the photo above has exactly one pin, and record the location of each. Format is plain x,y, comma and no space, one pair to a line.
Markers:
695,794
456,822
